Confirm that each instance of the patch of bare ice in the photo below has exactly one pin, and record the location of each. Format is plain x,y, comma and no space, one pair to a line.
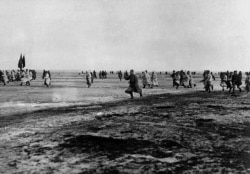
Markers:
7,108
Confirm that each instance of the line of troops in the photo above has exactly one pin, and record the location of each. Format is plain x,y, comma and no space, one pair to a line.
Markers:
23,76
90,76
230,80
148,80
182,78
17,75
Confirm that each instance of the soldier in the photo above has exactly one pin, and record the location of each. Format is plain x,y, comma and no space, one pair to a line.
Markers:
176,79
145,79
92,77
229,81
3,77
133,84
120,75
34,75
94,73
181,78
236,81
191,81
154,81
185,80
13,77
247,81
88,78
208,78
223,78
125,74
100,75
26,78
47,78
173,75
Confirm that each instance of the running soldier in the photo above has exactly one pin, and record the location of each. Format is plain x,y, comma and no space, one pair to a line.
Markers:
236,81
133,84
176,79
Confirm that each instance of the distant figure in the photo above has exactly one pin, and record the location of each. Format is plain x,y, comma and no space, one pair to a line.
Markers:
31,74
88,78
133,84
191,80
223,80
94,73
13,76
208,78
3,77
47,78
26,78
120,75
34,74
173,75
236,81
185,79
18,75
247,82
154,81
229,80
176,79
125,74
145,79
92,77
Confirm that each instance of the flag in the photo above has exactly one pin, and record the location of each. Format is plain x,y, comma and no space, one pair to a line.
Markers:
20,62
23,61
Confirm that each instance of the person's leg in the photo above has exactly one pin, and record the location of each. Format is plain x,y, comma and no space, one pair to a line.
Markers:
233,88
238,86
140,92
131,95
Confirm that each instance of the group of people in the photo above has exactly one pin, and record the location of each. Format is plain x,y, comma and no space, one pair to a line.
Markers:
25,76
231,80
149,80
208,77
228,80
103,74
182,78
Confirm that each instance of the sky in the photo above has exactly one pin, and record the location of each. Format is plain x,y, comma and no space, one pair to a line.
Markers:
126,34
